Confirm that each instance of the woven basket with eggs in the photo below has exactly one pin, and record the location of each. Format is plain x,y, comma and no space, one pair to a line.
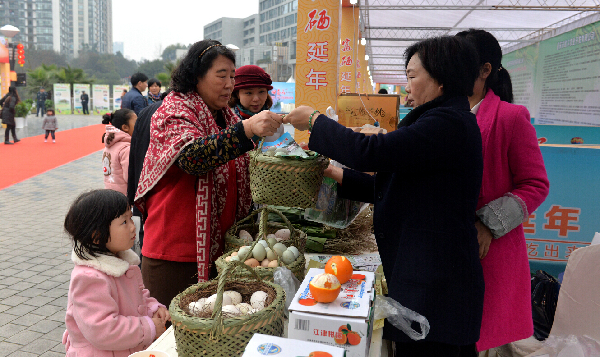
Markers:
207,322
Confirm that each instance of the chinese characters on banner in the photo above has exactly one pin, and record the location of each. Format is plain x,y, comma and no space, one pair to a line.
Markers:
350,37
568,219
317,56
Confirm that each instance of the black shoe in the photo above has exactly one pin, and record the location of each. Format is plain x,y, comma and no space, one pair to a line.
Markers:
8,143
16,140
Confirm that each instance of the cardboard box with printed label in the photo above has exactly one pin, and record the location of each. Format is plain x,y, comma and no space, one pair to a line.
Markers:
346,322
265,345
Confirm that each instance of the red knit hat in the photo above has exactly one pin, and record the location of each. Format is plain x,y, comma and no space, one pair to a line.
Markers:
251,76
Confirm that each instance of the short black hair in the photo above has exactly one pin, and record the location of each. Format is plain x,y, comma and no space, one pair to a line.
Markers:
151,81
489,51
137,78
118,118
165,93
196,63
451,61
89,218
382,91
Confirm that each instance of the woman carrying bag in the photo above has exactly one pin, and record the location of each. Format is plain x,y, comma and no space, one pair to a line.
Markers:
8,103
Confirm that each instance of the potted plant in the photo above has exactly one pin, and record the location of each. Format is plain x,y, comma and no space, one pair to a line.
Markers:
21,111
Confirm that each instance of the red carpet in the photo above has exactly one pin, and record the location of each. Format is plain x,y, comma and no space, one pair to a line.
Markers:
32,156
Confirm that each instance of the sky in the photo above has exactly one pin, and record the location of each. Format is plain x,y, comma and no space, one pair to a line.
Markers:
147,27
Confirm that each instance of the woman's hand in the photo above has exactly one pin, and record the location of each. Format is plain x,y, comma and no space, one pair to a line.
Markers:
262,124
299,117
335,173
484,237
163,314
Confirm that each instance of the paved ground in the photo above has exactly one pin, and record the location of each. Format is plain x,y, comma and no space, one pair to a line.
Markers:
35,261
65,122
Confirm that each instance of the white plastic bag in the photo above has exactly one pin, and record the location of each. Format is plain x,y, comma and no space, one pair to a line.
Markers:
573,346
290,284
401,317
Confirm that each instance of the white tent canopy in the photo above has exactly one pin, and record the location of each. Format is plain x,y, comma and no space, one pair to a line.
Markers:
390,26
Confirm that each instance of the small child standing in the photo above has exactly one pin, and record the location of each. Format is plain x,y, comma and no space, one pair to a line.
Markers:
50,125
117,139
109,312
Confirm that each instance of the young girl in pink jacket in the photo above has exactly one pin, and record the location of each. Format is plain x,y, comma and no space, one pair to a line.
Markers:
117,139
109,312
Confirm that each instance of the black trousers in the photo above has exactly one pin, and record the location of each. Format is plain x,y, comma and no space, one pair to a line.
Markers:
49,132
9,128
434,349
41,107
85,108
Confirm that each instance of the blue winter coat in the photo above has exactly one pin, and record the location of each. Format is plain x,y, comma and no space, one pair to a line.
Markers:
134,100
424,193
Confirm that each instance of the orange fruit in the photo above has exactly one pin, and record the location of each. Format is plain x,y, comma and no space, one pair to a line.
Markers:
319,354
353,338
325,287
340,267
341,340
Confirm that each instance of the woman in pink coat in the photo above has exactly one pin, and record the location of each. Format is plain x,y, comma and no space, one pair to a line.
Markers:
109,312
514,185
117,142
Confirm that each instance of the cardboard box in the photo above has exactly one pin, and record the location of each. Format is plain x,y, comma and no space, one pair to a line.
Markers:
346,322
265,345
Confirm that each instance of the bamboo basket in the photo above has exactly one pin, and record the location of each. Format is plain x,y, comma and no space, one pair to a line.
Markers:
285,182
297,239
217,335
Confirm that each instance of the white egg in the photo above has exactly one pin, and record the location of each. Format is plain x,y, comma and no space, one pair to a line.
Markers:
288,257
272,241
295,250
279,248
270,254
201,302
236,297
230,311
259,252
244,307
234,259
264,243
283,234
244,235
258,300
243,253
194,308
213,299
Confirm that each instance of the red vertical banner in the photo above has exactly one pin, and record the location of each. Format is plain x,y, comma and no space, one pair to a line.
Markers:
317,56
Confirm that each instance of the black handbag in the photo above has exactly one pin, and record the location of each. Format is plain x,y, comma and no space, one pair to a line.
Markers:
544,296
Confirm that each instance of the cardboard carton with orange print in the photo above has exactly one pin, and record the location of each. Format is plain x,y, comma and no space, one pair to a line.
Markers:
265,345
347,322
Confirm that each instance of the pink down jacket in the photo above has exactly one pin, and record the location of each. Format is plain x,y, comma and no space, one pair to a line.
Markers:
115,159
109,311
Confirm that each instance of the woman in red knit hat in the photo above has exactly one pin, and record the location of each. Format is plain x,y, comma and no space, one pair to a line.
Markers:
251,95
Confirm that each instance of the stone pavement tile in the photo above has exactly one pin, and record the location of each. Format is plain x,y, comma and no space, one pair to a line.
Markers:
56,335
32,292
24,274
20,310
28,319
47,285
9,271
39,301
47,310
22,354
38,260
22,285
56,292
39,346
8,348
44,326
36,279
4,293
51,353
6,264
6,318
59,348
23,265
62,277
24,337
50,273
10,330
61,301
14,300
10,280
18,259
40,268
58,316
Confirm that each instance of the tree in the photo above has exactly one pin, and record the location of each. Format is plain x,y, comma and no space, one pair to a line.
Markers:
43,76
72,75
36,58
152,68
170,53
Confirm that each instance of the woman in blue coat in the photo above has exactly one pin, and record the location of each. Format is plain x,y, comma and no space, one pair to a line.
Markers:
424,193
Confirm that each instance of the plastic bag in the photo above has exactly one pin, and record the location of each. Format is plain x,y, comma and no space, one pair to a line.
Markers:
290,284
401,317
573,346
